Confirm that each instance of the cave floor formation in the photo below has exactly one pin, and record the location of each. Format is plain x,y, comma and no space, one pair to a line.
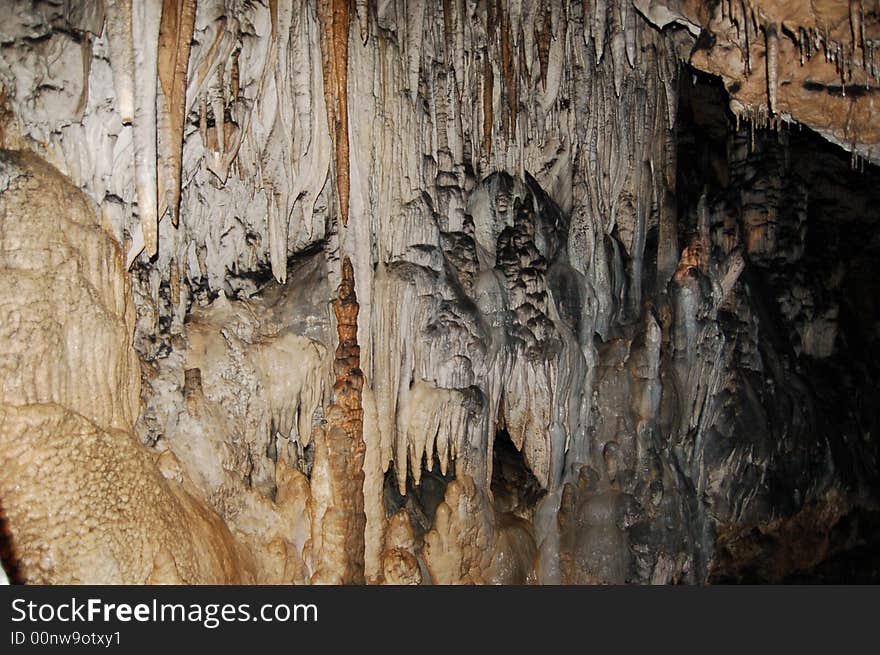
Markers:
408,292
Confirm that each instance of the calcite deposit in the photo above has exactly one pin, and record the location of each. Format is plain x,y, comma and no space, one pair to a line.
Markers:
459,292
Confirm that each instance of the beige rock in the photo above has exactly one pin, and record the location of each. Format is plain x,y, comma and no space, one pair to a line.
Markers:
84,502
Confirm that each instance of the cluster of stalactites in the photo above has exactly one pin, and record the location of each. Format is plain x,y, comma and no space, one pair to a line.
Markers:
850,48
156,90
232,145
149,42
751,26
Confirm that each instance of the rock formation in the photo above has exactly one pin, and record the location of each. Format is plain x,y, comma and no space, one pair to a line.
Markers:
408,292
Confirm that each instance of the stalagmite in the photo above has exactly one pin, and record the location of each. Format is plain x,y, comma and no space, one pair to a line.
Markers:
340,555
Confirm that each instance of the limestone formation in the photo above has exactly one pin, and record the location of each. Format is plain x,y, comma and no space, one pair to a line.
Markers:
408,292
84,502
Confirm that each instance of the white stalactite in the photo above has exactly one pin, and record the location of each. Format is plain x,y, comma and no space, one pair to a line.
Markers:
121,43
146,17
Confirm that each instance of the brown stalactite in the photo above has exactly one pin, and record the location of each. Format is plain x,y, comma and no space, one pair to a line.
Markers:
771,33
492,10
334,17
235,82
509,74
175,37
488,89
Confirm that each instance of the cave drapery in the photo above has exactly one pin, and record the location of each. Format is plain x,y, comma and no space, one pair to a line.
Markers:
504,291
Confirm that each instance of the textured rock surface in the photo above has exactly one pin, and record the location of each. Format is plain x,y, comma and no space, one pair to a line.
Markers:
457,292
82,499
781,60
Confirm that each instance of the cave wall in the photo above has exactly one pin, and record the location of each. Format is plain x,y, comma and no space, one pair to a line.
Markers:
363,238
83,500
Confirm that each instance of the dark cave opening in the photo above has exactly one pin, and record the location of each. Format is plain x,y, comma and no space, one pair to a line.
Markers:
515,489
804,213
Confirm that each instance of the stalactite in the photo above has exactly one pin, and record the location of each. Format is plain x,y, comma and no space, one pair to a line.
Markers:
362,7
86,70
488,100
220,48
334,18
119,38
216,93
599,26
772,37
449,32
146,18
175,36
415,23
174,282
454,31
543,34
630,32
747,41
618,56
508,77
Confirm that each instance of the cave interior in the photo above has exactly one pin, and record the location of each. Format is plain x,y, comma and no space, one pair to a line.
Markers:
533,292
